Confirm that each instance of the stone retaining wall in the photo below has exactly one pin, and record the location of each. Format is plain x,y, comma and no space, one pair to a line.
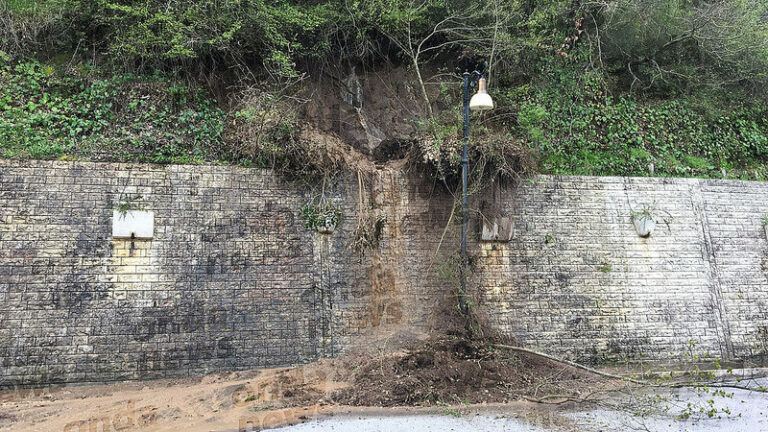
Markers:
233,279
578,280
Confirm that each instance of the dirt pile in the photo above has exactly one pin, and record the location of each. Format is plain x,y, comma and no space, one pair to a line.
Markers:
455,370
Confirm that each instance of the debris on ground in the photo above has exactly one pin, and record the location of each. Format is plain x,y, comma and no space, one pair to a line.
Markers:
456,370
437,372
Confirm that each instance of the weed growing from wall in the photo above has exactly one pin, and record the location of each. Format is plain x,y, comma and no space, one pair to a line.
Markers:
320,217
129,203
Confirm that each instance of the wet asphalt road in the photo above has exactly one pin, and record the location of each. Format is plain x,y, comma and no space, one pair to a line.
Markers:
683,410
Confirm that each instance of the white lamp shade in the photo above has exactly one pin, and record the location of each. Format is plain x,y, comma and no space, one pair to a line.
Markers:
481,102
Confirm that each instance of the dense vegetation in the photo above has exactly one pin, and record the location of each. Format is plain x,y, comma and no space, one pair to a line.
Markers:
46,113
629,87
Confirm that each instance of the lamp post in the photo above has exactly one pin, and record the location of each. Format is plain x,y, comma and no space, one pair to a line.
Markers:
481,101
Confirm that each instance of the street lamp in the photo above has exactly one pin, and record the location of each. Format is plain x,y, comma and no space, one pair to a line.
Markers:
481,101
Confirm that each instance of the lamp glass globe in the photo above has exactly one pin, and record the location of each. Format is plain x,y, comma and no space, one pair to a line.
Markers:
481,102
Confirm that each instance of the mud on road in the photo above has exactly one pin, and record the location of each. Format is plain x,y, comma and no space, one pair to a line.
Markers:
439,372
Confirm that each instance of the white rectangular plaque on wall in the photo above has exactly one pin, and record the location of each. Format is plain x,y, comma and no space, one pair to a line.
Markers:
138,224
498,229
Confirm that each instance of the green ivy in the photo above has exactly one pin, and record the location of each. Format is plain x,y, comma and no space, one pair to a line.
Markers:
47,113
579,129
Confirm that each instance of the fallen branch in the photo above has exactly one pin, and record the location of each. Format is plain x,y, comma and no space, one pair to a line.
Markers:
546,399
714,384
561,398
574,364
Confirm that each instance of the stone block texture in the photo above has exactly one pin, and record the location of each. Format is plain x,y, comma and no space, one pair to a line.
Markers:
577,281
233,279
